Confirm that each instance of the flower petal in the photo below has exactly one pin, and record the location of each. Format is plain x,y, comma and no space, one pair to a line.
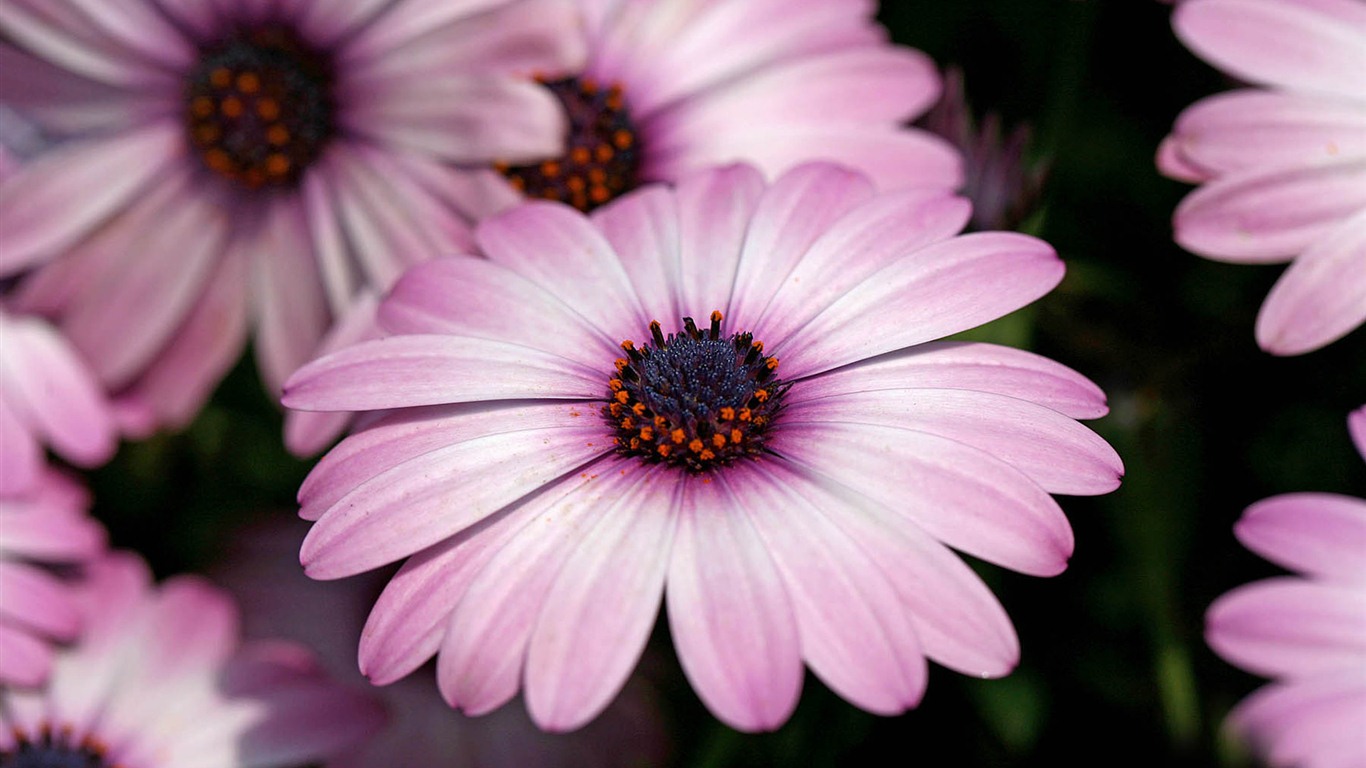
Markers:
1321,297
732,623
644,232
405,371
25,660
1319,534
1315,721
290,308
38,601
598,615
1289,626
714,211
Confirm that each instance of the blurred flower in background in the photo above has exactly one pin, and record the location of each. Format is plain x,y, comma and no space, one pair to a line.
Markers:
44,529
674,86
546,475
1282,166
158,680
1307,632
261,568
254,164
1004,185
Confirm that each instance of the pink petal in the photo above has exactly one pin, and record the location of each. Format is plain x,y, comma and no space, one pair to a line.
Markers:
307,433
191,625
1255,128
732,623
936,291
409,620
1319,534
883,231
642,228
50,523
61,398
290,309
855,633
137,26
436,495
1049,448
962,496
486,638
598,615
23,457
557,248
1289,626
791,215
1321,297
24,659
73,40
1267,215
59,198
466,296
714,210
1310,47
68,104
37,601
1311,722
1356,425
405,371
959,622
972,366
1174,165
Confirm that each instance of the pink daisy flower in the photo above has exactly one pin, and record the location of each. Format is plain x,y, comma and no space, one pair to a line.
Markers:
278,600
47,398
44,526
1307,632
159,681
1282,167
675,86
596,410
255,163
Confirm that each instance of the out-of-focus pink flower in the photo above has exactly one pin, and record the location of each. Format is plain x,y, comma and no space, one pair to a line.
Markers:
228,165
160,679
278,600
556,455
44,525
1003,186
48,398
675,86
1307,632
1282,167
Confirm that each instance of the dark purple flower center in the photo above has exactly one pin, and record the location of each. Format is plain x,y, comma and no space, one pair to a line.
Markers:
259,106
54,750
601,157
693,399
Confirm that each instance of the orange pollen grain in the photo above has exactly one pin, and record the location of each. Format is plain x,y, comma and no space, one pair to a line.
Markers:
277,135
706,455
231,107
603,153
575,184
550,169
677,435
201,106
718,440
615,410
221,77
727,413
736,435
268,109
580,156
772,364
647,433
599,194
761,395
277,165
664,450
614,384
744,414
248,82
638,409
623,396
696,445
623,139
628,423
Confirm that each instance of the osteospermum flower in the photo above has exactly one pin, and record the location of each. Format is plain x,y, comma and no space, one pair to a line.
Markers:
598,409
47,398
278,600
1282,166
255,163
46,525
1307,632
675,86
159,680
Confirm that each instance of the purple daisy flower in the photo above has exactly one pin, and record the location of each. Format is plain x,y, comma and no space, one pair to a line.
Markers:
45,525
596,410
255,163
676,86
1282,167
160,680
1307,632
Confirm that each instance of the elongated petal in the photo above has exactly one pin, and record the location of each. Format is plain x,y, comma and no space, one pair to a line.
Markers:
289,304
598,615
714,211
962,496
729,613
643,229
438,494
406,371
1286,626
1322,295
35,599
1314,721
1319,534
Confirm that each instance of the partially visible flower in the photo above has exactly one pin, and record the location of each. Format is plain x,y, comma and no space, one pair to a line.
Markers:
675,86
48,398
1002,184
159,680
1282,166
278,600
1307,632
596,408
42,527
255,164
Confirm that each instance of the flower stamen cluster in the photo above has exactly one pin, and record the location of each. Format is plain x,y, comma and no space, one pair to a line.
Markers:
693,399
